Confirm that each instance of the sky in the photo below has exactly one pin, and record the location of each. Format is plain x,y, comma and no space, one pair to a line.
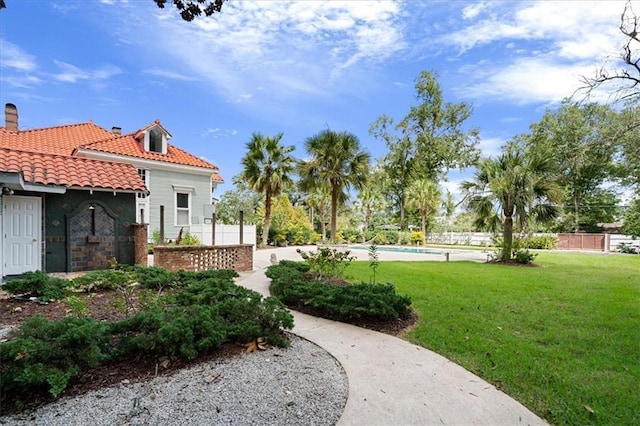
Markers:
296,67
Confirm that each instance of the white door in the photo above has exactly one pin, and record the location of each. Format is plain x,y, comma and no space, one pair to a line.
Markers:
21,234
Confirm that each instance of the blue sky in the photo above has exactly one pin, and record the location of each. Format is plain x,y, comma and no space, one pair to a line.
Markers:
295,67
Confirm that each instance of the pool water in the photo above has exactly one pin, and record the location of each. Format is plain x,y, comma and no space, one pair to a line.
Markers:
402,249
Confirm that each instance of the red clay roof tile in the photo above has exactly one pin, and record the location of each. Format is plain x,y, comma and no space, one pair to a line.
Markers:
52,169
66,139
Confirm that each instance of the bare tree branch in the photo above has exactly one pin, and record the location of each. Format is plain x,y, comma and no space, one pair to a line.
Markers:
624,82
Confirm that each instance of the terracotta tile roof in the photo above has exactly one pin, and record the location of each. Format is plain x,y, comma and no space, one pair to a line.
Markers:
53,169
53,140
217,178
66,139
128,145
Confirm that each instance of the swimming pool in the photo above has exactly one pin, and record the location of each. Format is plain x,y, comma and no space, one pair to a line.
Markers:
400,249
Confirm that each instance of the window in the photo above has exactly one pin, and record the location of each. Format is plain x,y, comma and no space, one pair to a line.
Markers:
143,175
155,141
183,213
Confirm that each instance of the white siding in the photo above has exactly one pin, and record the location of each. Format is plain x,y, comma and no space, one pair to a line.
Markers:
162,184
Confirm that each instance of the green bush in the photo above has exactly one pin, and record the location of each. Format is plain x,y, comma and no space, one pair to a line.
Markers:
107,279
201,312
185,331
543,242
353,303
326,263
524,256
43,355
628,248
155,278
380,238
415,237
392,236
37,284
188,239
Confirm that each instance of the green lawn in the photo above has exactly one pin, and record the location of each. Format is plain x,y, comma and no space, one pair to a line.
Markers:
563,338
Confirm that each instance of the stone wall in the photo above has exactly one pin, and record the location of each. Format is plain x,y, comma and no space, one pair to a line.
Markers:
200,258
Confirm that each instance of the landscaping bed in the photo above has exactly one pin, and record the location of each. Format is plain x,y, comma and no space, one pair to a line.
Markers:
111,326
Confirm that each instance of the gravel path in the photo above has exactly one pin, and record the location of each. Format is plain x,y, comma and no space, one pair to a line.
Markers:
301,385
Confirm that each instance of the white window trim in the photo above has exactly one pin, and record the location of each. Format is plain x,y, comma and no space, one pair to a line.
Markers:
147,140
177,189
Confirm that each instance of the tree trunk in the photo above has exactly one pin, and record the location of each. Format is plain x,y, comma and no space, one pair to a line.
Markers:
576,213
334,212
507,236
403,226
424,225
267,218
367,218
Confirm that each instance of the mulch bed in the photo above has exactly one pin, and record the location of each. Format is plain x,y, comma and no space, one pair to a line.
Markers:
102,305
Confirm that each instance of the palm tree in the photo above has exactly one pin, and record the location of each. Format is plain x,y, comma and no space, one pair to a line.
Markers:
337,162
317,200
267,168
514,186
424,195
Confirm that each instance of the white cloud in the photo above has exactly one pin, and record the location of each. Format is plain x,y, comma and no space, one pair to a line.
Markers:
216,133
293,50
473,10
490,147
71,74
555,44
15,58
167,74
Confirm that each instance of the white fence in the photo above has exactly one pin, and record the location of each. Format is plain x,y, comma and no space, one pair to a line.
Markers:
484,239
225,234
614,240
461,238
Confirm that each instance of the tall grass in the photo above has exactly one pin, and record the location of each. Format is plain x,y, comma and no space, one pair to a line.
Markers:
562,338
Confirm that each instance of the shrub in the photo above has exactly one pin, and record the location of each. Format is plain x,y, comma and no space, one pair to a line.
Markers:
204,310
45,354
543,242
108,279
379,238
155,278
354,303
155,237
327,263
37,284
628,248
392,236
185,331
369,236
524,256
416,237
188,239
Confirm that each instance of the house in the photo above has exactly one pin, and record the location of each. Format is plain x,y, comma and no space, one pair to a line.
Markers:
72,194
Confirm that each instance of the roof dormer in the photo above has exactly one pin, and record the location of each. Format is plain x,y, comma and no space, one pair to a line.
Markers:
154,138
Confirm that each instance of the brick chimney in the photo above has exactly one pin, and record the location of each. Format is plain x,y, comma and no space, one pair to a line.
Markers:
116,130
11,117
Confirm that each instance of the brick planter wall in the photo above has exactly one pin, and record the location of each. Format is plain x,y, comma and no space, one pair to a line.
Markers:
200,258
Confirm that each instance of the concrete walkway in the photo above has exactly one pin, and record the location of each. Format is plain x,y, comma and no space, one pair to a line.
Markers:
391,381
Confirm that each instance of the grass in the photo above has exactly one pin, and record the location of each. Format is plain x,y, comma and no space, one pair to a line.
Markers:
563,339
